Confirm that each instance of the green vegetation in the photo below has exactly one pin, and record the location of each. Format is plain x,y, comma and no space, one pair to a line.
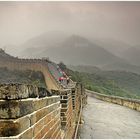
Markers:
118,83
25,77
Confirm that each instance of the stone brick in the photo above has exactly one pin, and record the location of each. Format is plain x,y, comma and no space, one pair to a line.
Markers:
58,136
45,130
41,113
47,135
32,117
44,112
50,124
26,107
57,112
56,129
54,134
39,103
48,118
15,108
38,136
37,127
9,109
24,123
50,131
53,107
8,128
17,91
64,109
28,134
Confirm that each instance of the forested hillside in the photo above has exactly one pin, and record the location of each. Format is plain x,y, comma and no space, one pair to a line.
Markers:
118,83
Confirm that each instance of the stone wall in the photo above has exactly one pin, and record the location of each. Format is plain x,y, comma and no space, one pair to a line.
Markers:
34,65
71,101
27,111
131,103
28,114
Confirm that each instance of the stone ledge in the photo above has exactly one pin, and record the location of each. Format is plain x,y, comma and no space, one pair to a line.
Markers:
17,91
21,91
13,127
62,92
131,103
17,108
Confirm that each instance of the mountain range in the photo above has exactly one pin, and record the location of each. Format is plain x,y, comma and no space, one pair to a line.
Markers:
132,55
118,83
107,54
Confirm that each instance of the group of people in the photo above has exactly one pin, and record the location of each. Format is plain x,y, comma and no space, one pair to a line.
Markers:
64,77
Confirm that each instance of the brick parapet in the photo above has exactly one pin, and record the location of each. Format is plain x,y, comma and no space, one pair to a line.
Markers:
28,117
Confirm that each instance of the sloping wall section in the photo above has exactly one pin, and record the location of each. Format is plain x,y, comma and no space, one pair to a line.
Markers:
34,65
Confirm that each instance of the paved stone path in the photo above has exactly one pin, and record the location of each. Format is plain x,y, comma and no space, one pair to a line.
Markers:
106,120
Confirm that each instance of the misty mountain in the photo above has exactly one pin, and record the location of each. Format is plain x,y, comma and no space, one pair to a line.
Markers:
122,67
47,39
34,47
74,50
84,68
108,54
114,46
132,55
121,83
119,66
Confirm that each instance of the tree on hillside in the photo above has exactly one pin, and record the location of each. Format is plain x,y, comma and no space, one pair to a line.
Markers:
62,66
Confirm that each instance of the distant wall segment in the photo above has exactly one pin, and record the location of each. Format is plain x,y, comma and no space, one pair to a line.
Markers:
34,65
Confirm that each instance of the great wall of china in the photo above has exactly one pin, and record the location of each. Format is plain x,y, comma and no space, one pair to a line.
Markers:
28,111
54,112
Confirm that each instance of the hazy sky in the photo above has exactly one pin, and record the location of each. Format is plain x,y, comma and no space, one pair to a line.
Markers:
20,21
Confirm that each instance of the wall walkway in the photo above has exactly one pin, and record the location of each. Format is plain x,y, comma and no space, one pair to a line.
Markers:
105,120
